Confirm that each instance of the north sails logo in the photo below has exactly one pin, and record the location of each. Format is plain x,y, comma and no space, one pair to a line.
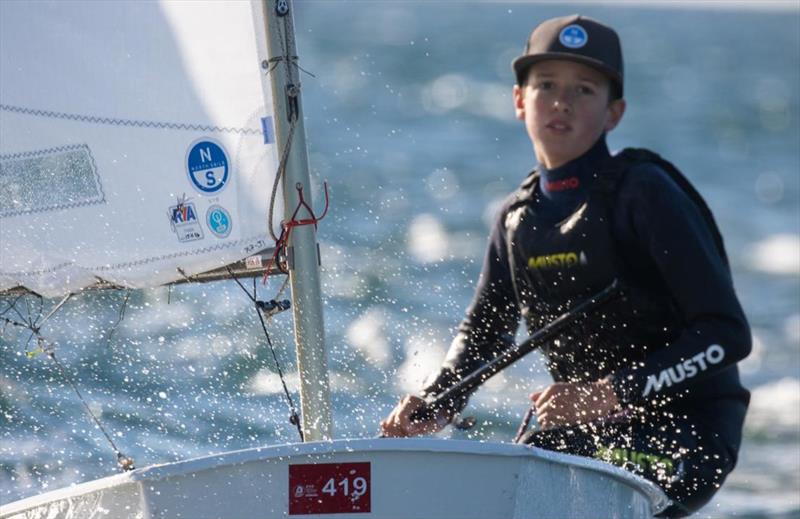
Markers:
686,369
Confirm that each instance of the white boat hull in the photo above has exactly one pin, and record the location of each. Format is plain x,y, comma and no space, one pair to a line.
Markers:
415,478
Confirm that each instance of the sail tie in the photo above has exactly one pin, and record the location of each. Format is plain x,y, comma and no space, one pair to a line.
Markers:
270,64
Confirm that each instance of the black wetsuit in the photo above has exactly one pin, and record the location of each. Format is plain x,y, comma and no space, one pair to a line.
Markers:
669,346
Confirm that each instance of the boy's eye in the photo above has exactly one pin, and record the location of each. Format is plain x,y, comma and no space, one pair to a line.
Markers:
544,85
585,90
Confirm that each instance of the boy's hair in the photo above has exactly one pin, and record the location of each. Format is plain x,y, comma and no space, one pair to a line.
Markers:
574,38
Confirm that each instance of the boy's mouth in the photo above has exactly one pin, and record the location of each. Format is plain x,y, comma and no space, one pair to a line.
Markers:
558,126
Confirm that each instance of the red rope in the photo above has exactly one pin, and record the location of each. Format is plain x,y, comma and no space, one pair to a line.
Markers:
287,227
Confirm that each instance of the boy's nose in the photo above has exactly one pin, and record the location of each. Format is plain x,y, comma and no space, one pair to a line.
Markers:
563,104
563,100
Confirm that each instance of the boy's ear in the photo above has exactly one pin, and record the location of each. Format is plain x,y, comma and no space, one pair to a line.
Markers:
519,102
616,109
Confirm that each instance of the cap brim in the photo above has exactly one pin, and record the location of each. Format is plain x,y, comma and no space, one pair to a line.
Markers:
523,63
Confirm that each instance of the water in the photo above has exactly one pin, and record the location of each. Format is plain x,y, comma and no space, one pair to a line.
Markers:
410,121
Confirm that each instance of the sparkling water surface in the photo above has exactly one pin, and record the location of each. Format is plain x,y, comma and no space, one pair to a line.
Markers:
409,119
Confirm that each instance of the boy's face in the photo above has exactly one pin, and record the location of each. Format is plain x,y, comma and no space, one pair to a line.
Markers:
566,107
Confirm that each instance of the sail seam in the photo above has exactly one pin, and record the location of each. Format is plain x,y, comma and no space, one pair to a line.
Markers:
117,266
164,125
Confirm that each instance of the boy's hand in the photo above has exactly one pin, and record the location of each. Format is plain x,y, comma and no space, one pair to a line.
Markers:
399,424
566,403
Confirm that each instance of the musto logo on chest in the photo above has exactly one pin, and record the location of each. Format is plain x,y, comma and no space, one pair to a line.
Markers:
689,368
558,260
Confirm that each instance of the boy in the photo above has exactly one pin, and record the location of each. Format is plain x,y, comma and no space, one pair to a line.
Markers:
650,381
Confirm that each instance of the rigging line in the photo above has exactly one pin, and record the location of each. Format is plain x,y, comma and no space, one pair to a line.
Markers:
526,420
55,309
121,315
233,276
290,60
186,277
11,304
12,322
33,333
279,176
40,300
36,324
124,462
6,320
292,92
294,417
304,70
28,322
283,287
28,312
283,39
272,63
274,299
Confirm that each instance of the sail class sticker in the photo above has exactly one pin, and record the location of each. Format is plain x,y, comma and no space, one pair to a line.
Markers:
218,220
184,222
208,166
329,488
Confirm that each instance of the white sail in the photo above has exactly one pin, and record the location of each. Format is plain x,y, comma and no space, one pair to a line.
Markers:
136,141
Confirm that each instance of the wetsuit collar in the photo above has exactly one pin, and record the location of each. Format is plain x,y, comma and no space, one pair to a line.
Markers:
575,176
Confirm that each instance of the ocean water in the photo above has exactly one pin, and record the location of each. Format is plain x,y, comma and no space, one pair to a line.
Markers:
410,121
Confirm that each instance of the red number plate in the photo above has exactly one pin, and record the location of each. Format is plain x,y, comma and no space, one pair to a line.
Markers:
329,488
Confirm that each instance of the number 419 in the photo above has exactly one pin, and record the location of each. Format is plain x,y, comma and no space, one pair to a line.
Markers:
359,487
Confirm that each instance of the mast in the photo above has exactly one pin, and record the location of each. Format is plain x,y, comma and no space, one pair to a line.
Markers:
302,251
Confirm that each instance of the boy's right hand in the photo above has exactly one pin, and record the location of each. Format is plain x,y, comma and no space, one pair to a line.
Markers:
399,424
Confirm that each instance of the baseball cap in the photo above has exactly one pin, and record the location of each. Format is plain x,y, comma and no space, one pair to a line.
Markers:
575,38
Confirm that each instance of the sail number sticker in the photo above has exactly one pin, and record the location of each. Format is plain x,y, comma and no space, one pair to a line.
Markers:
207,166
329,488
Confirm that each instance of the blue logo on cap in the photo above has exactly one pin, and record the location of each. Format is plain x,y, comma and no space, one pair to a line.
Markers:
207,166
573,36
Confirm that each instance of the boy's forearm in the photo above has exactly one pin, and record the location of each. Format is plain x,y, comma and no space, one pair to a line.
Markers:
699,353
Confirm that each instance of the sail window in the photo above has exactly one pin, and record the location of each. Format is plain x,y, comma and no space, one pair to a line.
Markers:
49,180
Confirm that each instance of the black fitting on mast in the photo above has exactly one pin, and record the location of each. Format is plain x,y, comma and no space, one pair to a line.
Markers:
282,8
272,307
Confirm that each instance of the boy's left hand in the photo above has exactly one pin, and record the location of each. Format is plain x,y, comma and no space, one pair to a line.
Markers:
567,403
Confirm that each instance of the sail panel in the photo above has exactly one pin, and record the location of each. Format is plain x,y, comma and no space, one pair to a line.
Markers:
135,142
